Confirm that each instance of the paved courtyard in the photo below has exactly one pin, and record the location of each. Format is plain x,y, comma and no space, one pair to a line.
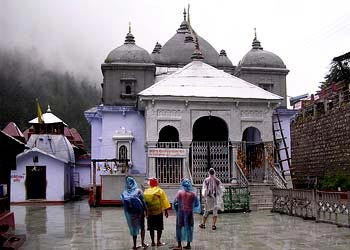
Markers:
77,226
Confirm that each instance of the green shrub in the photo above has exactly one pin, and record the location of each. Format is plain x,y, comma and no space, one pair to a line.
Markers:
331,182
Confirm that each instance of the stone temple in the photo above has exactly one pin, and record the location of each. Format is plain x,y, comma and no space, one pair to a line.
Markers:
183,108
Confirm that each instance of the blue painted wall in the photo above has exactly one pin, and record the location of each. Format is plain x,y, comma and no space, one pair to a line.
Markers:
105,121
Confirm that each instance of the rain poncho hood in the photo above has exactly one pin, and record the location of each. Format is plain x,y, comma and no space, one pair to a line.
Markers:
186,185
153,182
156,199
130,187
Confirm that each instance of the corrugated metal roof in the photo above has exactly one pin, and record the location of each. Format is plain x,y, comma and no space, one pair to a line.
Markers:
41,152
13,130
198,79
57,145
48,118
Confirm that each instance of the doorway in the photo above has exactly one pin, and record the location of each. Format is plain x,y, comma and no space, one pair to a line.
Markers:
36,182
253,149
169,170
210,149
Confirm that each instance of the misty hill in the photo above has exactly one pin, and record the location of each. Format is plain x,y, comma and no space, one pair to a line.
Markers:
23,77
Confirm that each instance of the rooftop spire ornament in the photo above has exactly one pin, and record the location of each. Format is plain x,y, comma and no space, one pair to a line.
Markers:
197,54
256,43
129,39
255,38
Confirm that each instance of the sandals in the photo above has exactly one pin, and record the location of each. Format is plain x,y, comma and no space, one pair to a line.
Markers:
144,246
213,227
187,247
202,226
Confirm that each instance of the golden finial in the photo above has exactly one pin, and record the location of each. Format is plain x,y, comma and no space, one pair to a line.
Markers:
129,27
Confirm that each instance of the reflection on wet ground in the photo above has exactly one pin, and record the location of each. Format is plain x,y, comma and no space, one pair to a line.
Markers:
77,226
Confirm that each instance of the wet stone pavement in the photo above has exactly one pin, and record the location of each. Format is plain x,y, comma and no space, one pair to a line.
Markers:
77,226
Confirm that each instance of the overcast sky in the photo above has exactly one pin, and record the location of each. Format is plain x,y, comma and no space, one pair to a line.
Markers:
77,35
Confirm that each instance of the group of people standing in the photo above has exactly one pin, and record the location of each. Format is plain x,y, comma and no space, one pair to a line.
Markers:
153,202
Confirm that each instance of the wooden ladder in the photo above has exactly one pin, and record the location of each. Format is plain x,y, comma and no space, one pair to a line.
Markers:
277,143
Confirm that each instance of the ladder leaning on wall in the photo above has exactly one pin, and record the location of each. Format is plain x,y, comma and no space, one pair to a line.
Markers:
277,128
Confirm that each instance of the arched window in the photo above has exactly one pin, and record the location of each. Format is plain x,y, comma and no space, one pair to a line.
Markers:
210,128
128,89
251,134
123,153
168,134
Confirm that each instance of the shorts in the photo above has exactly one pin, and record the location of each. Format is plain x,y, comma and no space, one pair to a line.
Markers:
215,212
155,222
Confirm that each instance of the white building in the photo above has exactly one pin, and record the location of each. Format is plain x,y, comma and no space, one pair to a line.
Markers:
45,172
184,109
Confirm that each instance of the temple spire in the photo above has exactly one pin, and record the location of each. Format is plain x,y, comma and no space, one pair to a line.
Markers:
197,54
129,39
157,48
184,14
255,37
189,37
256,43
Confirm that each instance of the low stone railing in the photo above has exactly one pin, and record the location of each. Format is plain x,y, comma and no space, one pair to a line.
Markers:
333,207
329,207
235,199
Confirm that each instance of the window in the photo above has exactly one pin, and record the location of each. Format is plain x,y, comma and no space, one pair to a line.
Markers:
128,88
123,153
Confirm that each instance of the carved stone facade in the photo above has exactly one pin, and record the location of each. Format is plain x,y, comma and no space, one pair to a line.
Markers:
237,117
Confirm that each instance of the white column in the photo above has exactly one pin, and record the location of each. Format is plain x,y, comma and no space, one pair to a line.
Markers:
151,162
151,167
233,161
186,161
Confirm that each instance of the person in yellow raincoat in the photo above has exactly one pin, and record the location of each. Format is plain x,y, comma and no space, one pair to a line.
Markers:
157,203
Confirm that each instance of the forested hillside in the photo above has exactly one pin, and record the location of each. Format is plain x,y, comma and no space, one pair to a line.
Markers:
23,77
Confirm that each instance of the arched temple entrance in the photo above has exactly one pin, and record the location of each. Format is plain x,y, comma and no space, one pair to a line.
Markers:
210,148
169,170
168,134
254,156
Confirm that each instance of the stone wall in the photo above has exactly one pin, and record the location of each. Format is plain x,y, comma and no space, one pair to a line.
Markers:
320,143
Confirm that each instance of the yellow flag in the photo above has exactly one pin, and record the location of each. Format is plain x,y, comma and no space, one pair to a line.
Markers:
188,19
38,110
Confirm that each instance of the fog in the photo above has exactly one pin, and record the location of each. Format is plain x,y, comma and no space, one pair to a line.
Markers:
76,36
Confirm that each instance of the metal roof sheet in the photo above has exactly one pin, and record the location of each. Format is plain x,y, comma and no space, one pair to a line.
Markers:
198,79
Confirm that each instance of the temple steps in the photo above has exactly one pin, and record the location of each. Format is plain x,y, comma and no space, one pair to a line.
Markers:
260,196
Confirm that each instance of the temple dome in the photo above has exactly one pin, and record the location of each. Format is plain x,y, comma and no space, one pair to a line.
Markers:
224,61
177,51
155,55
258,57
129,52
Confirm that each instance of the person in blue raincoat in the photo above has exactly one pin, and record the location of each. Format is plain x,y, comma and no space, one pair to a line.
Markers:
134,210
185,204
